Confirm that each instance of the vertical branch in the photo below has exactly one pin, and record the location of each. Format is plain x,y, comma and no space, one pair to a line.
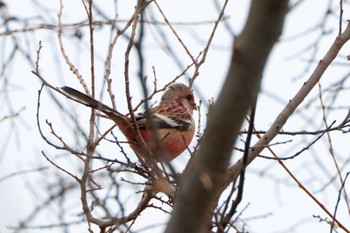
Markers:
227,218
205,173
139,50
340,16
126,57
331,150
333,223
127,78
112,46
92,50
64,54
91,144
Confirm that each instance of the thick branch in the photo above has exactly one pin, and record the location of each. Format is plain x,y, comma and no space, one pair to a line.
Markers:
233,172
206,172
295,101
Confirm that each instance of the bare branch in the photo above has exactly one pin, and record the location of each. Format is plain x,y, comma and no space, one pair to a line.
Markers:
205,173
281,119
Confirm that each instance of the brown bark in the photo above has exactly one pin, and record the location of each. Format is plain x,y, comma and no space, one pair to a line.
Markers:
206,172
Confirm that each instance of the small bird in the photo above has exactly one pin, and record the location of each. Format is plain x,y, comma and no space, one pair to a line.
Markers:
169,124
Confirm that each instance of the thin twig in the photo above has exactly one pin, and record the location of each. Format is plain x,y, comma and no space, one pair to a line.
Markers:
338,200
226,219
206,48
59,167
331,150
106,22
64,54
174,32
341,11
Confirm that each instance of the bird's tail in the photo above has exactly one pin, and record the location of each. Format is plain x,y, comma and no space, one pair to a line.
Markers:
92,103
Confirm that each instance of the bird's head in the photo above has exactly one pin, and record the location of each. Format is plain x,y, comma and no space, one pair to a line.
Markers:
182,94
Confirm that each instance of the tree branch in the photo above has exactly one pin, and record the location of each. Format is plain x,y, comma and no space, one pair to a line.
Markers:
233,172
206,172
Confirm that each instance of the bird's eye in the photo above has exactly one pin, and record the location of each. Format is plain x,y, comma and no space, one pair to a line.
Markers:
189,97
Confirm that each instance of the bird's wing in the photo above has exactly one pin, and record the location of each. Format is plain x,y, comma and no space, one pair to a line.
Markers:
162,121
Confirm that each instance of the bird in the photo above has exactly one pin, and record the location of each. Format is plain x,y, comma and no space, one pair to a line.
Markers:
169,126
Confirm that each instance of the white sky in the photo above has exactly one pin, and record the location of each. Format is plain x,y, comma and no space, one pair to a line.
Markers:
270,193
